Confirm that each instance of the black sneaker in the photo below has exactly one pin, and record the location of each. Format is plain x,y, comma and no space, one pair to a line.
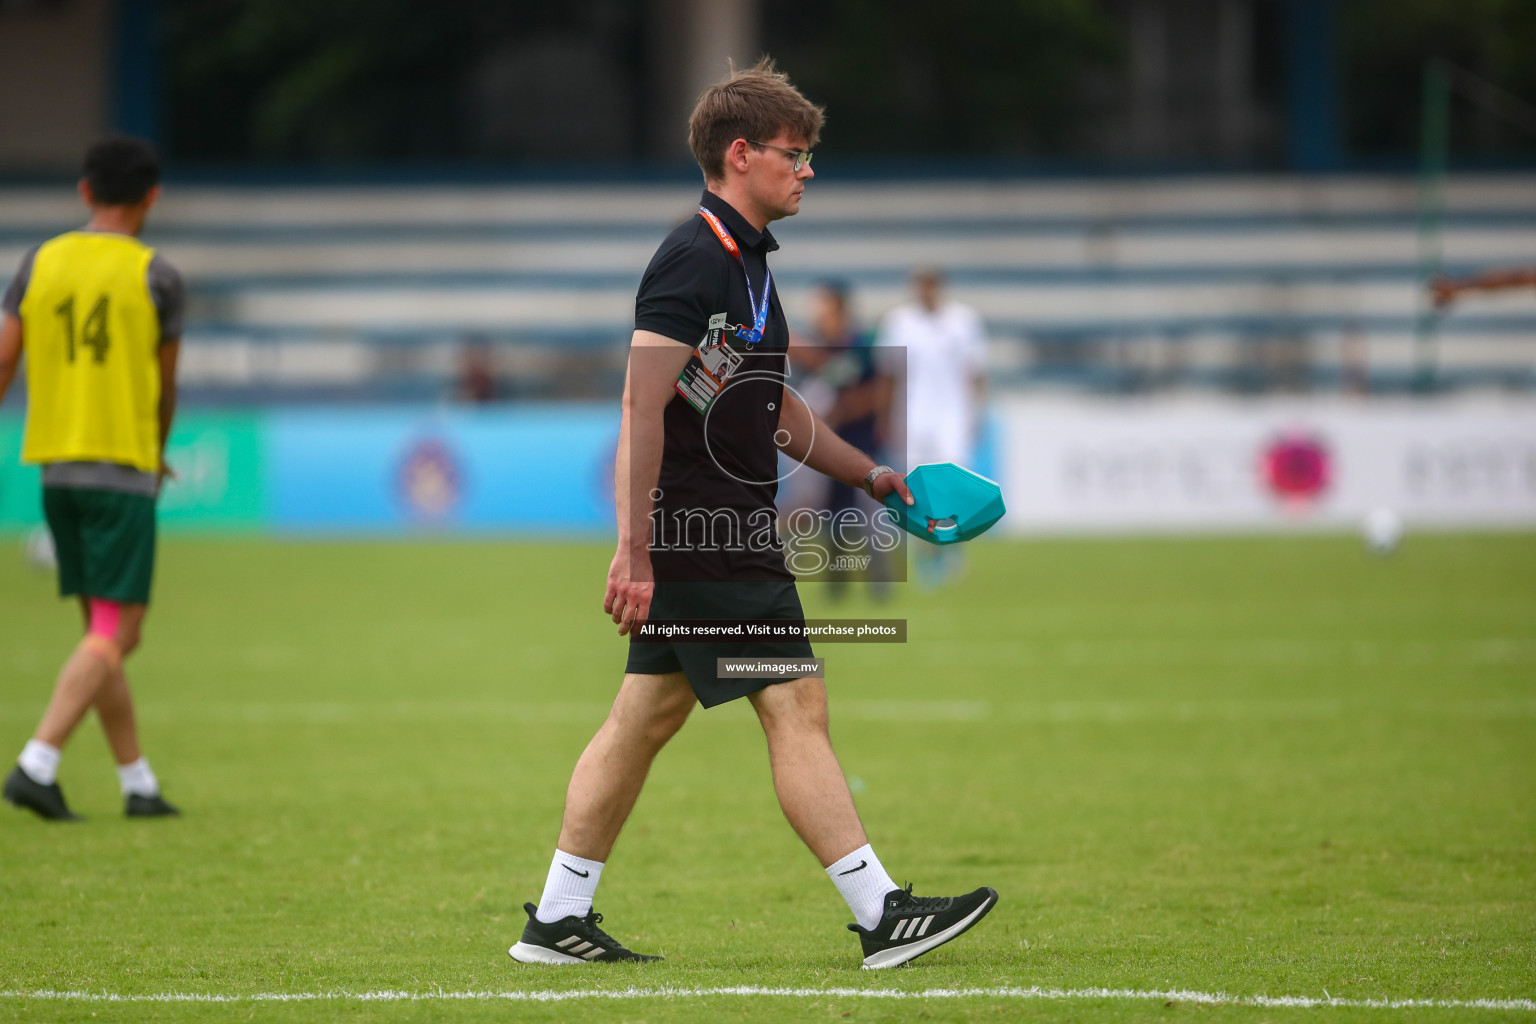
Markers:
571,940
44,801
912,925
140,806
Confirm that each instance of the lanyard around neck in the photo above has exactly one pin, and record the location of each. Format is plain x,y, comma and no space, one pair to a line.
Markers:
754,334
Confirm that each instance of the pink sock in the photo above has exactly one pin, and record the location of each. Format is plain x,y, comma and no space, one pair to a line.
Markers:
105,616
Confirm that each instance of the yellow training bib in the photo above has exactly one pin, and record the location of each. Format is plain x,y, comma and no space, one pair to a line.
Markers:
92,338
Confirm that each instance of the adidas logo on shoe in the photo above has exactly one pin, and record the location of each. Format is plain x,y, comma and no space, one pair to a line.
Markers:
913,925
571,940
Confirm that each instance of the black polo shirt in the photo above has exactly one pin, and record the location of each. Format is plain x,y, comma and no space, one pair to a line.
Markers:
722,467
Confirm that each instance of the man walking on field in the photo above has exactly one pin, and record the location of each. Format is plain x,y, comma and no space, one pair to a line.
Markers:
99,316
703,424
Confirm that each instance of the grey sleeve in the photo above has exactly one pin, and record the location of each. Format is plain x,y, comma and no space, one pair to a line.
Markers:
170,296
18,286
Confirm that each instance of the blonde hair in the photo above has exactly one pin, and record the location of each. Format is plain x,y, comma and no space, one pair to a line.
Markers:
755,104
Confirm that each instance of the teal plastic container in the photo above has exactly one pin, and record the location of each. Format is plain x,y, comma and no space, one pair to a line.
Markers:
953,504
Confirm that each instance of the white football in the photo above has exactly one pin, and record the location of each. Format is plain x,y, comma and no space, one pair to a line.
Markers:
1383,530
37,549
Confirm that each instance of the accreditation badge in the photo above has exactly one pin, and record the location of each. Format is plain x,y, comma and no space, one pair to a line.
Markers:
709,368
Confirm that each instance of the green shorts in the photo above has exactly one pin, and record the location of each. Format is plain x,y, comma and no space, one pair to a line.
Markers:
104,540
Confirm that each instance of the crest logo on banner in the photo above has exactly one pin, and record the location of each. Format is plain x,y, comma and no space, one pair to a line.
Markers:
429,480
1297,468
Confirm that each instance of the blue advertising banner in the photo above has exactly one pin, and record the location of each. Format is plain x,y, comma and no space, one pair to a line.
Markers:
538,468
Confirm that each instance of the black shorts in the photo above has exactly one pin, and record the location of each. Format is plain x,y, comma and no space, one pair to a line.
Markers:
755,600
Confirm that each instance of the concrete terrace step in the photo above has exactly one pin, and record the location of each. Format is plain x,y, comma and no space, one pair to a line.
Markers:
1257,251
329,286
238,363
1008,308
879,201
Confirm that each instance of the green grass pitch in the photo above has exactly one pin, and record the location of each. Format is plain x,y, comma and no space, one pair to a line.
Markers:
1253,766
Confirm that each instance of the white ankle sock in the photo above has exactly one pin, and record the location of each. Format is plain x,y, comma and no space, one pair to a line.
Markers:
137,778
569,889
862,880
40,761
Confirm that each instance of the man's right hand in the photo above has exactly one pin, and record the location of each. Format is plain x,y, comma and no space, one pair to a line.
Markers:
630,586
1443,290
885,483
166,473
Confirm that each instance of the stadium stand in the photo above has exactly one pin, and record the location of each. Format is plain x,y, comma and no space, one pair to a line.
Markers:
374,293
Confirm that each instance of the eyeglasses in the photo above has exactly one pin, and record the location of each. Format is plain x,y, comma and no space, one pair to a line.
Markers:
802,156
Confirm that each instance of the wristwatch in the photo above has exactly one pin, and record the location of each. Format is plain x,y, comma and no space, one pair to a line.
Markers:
872,476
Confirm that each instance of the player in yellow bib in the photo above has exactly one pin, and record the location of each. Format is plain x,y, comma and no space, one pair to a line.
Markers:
98,314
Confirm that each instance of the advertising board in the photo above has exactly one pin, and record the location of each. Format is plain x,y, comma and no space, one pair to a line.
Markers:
1087,466
534,468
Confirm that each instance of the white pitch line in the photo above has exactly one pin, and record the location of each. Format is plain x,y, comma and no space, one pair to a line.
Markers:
670,992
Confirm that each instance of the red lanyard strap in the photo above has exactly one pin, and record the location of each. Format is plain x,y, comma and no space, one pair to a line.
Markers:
754,334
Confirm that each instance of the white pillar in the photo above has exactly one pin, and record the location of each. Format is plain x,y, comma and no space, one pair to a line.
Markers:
1150,120
691,42
53,82
1234,76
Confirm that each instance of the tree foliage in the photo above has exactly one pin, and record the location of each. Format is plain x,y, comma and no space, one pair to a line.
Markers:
967,77
1386,45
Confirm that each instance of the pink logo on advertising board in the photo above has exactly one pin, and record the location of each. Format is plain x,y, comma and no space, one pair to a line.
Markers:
429,480
1297,468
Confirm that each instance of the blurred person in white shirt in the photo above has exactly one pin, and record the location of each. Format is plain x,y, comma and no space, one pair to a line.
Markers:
945,346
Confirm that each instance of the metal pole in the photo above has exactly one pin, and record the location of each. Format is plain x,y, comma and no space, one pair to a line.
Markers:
1434,141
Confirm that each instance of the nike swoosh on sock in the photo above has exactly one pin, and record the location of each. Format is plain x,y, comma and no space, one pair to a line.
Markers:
862,865
587,874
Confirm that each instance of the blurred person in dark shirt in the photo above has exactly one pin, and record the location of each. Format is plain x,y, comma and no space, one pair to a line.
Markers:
476,383
856,394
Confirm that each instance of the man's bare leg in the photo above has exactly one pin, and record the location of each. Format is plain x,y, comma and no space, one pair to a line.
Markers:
87,672
97,665
86,676
806,774
647,712
141,789
814,795
604,787
606,783
114,703
79,683
114,706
